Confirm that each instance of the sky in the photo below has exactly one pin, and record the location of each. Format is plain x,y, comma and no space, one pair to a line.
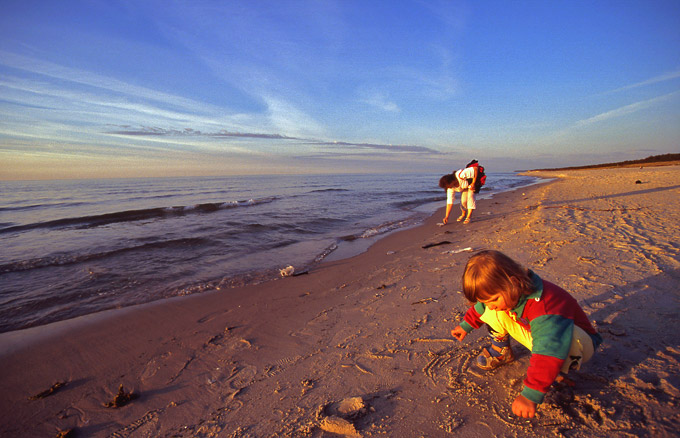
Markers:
149,88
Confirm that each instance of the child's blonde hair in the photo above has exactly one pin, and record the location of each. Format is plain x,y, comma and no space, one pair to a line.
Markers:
489,273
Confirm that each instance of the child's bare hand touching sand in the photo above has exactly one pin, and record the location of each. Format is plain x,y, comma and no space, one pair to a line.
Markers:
522,406
458,333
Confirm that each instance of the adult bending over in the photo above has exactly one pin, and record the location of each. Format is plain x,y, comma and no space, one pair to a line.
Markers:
462,181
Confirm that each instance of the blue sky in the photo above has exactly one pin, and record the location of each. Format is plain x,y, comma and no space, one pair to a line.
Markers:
165,88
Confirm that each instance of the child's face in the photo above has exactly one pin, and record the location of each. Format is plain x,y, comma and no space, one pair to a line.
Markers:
497,302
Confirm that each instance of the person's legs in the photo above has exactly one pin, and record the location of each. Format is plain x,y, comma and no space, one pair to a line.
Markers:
463,208
471,202
467,198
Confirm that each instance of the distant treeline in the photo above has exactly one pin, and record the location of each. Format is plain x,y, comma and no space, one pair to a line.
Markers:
649,160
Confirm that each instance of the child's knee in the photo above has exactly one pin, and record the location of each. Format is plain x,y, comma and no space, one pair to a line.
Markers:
580,352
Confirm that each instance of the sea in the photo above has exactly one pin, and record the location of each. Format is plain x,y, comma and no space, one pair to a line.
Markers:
76,247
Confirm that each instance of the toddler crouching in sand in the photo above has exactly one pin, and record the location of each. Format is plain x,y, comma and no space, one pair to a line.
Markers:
513,301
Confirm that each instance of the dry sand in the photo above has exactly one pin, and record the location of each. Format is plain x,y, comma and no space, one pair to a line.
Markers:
361,347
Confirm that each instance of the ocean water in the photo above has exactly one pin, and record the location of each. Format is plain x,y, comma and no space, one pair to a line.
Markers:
71,248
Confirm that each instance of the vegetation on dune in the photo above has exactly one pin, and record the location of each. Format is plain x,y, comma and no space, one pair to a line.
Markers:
654,159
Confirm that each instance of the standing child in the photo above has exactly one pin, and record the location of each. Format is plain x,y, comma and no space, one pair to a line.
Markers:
513,301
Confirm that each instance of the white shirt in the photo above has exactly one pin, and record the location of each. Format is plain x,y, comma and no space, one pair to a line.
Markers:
462,175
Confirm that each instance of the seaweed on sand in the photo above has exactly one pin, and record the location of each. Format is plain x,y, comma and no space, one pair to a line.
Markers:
122,398
51,390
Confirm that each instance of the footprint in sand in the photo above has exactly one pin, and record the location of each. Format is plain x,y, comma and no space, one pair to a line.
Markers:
150,370
146,426
244,377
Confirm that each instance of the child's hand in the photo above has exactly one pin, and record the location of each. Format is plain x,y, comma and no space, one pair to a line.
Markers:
523,407
459,333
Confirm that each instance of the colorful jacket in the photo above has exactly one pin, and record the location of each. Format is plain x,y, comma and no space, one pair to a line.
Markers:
549,313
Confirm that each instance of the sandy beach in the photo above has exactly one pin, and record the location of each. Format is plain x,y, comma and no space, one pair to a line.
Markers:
361,346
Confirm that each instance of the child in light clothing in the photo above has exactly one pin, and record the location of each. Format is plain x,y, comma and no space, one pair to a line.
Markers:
515,302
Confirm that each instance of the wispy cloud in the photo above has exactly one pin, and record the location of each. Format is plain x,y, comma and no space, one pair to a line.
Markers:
73,107
289,119
625,110
55,92
661,78
382,147
381,101
150,131
83,102
341,146
82,77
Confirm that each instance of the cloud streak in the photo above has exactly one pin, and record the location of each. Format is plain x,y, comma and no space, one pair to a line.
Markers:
148,131
81,77
661,78
625,110
68,104
382,147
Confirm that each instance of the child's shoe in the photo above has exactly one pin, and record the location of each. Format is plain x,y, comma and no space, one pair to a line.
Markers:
499,353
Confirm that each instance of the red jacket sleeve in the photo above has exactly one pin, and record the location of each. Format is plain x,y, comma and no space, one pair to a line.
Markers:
472,317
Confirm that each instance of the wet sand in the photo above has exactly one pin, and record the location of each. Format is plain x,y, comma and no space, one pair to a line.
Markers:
279,358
